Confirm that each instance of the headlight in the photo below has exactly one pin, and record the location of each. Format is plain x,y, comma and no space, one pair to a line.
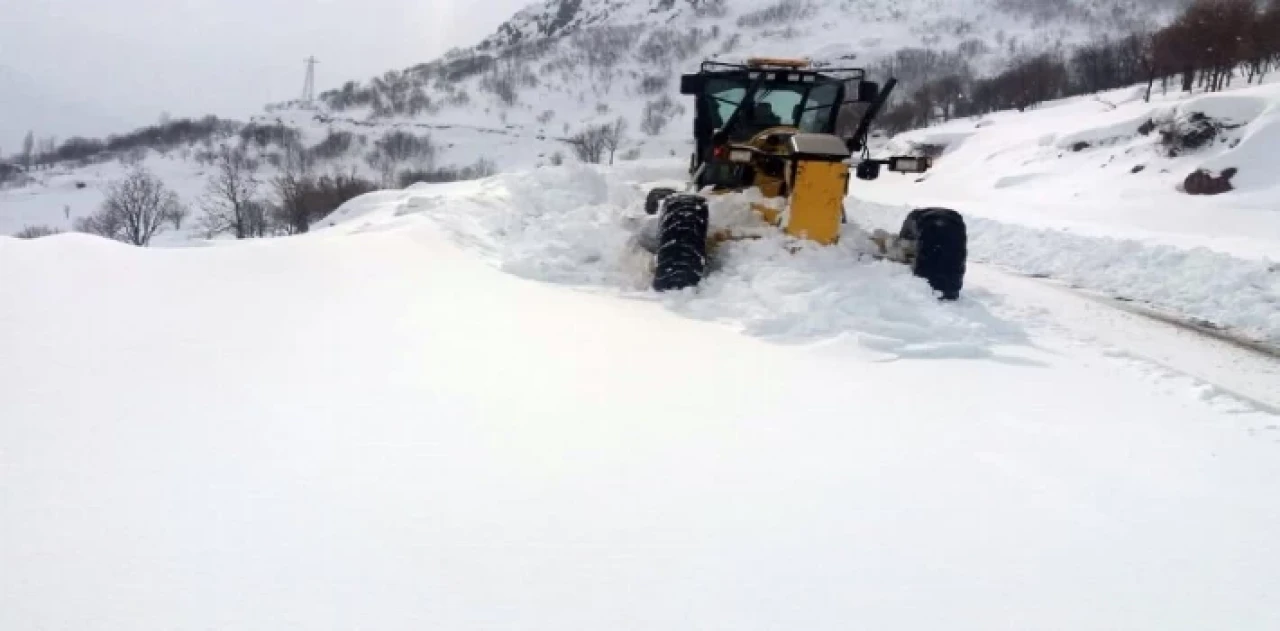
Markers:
909,165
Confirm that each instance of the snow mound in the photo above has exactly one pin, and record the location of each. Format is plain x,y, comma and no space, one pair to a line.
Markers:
1240,294
1255,152
1099,166
577,225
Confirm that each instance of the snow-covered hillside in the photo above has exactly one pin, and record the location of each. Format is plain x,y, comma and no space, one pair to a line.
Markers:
563,65
553,64
456,407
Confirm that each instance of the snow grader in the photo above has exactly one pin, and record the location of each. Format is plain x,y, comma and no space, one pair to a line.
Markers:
769,127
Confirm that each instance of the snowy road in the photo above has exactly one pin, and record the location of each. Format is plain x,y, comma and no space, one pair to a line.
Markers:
455,410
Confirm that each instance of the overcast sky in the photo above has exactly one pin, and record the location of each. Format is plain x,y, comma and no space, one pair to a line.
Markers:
130,60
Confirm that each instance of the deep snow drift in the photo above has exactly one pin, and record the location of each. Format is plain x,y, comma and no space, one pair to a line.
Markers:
396,422
1077,191
1088,165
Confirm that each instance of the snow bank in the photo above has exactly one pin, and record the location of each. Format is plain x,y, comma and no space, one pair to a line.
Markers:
1256,156
1242,294
576,225
1076,191
1090,153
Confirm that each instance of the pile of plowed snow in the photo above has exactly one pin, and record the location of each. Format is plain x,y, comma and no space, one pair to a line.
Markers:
1240,294
1088,191
577,225
1101,166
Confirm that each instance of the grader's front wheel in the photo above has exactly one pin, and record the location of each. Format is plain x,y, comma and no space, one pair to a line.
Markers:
682,243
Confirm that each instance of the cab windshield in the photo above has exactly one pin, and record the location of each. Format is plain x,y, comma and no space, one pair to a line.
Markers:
806,106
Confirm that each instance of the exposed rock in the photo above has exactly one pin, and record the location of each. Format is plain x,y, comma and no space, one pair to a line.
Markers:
1190,132
1202,182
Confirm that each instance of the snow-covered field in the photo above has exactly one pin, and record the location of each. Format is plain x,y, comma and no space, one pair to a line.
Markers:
457,407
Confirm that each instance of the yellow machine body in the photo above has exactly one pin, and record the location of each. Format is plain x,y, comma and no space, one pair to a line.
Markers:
805,177
769,128
817,201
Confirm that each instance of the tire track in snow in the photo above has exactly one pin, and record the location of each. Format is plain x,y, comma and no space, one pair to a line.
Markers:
1214,368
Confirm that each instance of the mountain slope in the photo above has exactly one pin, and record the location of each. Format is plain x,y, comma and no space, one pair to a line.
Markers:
563,64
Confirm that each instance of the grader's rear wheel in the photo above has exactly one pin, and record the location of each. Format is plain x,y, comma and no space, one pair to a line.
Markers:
653,201
941,248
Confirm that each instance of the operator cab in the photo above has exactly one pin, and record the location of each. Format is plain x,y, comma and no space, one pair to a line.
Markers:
734,102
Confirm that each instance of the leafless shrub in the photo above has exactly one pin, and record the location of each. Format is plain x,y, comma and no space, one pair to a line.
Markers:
459,99
263,136
652,85
303,199
783,12
399,148
664,46
10,173
335,145
480,169
731,44
658,113
35,232
710,8
591,144
504,80
602,47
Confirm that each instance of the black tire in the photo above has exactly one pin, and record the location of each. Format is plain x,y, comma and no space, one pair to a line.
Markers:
653,201
682,243
941,248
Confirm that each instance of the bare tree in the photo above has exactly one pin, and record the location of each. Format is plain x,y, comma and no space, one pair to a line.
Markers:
398,148
178,216
46,150
613,136
228,202
28,149
589,144
135,209
658,113
292,214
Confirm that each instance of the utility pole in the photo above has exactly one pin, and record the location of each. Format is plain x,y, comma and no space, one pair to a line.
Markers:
309,86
